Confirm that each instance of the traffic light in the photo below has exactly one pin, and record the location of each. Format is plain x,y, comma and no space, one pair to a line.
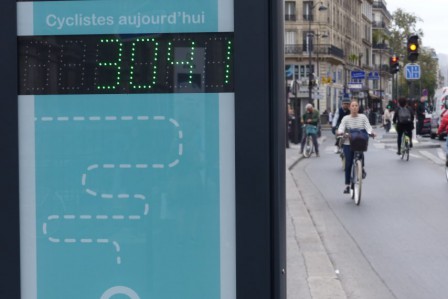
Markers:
413,47
394,65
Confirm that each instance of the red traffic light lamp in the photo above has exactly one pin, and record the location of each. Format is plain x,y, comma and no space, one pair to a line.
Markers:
394,65
412,47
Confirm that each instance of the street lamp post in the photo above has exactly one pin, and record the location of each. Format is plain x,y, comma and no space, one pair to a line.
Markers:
318,36
322,7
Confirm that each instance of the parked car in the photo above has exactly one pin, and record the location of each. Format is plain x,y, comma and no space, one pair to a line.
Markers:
440,107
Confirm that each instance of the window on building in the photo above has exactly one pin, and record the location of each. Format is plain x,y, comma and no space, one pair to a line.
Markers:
308,41
367,61
307,10
290,37
302,71
290,11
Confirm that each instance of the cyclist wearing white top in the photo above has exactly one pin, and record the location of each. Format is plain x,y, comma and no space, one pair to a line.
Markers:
354,120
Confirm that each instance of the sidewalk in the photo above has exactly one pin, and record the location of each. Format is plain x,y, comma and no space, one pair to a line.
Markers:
310,273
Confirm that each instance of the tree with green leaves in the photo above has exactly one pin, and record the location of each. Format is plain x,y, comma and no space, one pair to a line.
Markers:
404,24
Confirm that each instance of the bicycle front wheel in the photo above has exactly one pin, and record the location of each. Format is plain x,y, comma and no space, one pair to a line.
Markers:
357,183
308,147
446,171
353,179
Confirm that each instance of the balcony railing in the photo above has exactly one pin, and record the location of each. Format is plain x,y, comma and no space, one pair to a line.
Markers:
291,17
379,4
379,24
323,49
384,68
308,17
382,6
380,46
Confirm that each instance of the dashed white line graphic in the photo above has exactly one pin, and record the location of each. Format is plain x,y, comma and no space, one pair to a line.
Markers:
91,191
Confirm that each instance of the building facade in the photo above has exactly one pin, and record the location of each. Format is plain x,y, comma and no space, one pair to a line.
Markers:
331,43
382,88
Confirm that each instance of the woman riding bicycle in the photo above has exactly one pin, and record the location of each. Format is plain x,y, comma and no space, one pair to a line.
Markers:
404,120
352,121
311,117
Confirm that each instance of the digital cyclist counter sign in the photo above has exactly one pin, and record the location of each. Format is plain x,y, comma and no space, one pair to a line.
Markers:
126,117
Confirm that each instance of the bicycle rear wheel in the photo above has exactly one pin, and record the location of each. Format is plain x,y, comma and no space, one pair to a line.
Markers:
406,150
308,147
357,183
403,148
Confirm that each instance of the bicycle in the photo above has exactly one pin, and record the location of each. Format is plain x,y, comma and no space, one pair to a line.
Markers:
356,177
405,146
309,146
358,143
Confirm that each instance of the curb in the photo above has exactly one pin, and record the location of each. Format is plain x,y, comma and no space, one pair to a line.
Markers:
415,146
311,274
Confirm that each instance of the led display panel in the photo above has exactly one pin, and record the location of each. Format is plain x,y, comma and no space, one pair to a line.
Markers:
126,149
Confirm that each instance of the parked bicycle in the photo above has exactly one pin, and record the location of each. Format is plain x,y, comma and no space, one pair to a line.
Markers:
309,147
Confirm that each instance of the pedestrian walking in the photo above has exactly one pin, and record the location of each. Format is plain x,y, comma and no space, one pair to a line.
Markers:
387,119
421,115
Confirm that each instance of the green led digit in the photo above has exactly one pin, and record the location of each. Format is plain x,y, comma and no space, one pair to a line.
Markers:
138,61
182,59
228,62
113,65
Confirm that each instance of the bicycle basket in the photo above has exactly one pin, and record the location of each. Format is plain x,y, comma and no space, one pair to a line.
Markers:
359,140
309,129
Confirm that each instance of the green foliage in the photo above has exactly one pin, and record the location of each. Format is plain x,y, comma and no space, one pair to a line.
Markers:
403,25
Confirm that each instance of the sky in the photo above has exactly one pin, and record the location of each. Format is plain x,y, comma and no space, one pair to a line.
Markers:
433,13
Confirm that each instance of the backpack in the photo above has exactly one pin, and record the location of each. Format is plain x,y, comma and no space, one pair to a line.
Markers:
404,115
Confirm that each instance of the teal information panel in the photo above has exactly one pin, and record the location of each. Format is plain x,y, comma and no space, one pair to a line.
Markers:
126,192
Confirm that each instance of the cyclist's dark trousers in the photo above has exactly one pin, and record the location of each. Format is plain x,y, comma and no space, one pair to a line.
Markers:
314,138
348,153
400,137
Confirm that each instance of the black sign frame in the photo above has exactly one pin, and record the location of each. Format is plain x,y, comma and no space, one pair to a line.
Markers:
260,106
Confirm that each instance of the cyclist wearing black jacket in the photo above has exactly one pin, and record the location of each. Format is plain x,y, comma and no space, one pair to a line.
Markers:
340,113
404,120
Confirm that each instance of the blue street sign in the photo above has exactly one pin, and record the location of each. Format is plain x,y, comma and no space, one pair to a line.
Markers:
412,71
358,74
374,76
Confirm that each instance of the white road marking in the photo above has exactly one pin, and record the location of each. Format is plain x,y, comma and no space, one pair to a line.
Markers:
92,167
441,153
432,157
